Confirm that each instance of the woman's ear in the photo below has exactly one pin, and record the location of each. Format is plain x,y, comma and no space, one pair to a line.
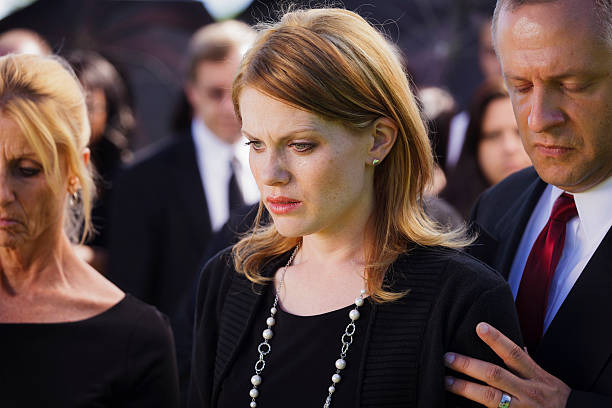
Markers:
384,134
74,183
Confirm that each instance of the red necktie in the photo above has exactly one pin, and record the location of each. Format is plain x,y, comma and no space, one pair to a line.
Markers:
532,296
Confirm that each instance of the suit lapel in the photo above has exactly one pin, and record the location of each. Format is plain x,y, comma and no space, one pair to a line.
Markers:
510,228
578,342
190,196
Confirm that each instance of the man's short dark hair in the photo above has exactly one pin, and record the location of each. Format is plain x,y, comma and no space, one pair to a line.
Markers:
215,42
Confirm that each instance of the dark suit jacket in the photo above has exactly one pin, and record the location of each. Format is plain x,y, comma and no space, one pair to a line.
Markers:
577,347
160,225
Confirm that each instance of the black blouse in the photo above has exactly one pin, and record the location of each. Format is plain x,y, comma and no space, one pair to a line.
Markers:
299,368
123,357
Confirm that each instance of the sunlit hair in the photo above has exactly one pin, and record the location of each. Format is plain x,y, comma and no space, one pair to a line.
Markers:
602,10
43,96
332,63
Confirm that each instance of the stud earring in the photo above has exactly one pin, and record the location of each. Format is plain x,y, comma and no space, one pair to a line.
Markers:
375,162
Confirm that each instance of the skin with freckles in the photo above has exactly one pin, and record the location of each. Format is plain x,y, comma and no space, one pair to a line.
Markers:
297,155
557,70
500,151
316,178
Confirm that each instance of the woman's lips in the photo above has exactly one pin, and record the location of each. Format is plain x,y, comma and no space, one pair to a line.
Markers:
282,205
8,222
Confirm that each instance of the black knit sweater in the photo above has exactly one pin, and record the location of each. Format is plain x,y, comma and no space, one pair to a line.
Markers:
402,362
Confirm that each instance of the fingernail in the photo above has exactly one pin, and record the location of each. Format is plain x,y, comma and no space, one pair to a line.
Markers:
483,328
449,381
449,358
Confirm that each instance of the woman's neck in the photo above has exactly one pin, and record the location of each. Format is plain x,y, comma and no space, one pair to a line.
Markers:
35,266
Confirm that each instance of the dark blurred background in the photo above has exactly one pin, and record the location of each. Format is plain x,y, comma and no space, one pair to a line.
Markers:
147,39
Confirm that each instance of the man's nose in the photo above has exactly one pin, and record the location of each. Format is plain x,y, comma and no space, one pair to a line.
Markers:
545,112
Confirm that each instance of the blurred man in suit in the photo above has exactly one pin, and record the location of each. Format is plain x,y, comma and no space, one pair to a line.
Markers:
171,200
547,228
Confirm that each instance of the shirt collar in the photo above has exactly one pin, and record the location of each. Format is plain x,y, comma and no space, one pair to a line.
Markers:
595,215
210,145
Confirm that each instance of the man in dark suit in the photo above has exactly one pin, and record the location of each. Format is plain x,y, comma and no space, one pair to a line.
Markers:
547,228
170,201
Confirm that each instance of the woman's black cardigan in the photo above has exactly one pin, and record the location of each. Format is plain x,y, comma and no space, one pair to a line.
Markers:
402,362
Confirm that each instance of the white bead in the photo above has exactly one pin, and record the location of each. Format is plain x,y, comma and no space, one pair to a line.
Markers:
340,364
354,314
253,404
359,302
363,291
336,378
256,380
270,321
273,310
267,334
254,393
331,389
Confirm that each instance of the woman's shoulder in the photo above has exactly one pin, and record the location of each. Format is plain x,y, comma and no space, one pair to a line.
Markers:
135,318
451,267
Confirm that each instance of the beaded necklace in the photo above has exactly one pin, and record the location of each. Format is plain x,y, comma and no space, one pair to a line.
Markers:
265,348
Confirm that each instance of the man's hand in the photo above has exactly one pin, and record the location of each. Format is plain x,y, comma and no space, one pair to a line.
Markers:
528,384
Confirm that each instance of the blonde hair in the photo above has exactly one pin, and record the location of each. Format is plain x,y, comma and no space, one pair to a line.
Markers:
44,98
331,62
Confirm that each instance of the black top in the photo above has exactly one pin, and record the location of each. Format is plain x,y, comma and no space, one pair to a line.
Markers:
401,363
302,360
122,357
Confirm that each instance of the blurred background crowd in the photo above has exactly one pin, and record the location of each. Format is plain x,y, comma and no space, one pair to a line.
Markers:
173,177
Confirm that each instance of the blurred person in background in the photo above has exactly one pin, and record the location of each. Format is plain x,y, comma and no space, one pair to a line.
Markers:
70,337
112,123
438,108
492,151
23,41
170,201
491,71
341,157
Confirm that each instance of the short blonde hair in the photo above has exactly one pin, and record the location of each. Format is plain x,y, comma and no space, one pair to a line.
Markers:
332,63
44,98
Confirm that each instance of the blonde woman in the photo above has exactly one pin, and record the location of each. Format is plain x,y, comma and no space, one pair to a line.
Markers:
351,295
70,338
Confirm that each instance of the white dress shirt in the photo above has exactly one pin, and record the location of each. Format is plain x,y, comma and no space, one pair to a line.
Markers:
583,235
456,137
214,162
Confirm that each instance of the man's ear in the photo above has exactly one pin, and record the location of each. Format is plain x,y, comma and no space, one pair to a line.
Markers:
190,93
384,134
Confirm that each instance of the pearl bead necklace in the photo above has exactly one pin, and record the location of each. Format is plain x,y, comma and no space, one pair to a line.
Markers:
265,348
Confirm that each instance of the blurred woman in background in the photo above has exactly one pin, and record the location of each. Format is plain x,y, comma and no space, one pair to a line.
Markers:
112,124
492,150
70,338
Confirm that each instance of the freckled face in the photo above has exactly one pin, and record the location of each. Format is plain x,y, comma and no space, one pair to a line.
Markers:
312,174
29,210
558,74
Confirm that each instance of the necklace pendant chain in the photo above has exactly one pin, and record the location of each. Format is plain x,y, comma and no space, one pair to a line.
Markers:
265,348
